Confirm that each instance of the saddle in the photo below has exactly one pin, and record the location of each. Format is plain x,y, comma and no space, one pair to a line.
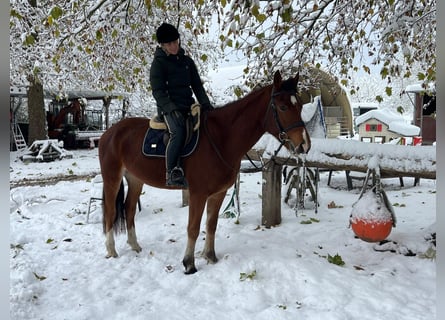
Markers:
157,135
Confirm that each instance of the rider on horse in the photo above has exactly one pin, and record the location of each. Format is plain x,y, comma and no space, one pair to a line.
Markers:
174,78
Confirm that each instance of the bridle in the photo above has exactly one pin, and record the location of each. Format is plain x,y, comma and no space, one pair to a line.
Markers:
282,135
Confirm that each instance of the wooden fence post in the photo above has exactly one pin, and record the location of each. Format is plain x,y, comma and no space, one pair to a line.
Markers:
271,194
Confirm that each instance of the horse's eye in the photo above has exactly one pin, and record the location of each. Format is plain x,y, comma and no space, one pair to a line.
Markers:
283,108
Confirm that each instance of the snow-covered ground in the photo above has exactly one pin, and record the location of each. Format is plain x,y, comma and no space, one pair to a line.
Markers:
58,268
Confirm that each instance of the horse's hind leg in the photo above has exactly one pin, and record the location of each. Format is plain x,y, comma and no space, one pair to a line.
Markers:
214,203
110,192
133,193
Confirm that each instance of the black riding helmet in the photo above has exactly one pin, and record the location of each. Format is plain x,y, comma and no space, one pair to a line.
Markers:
166,33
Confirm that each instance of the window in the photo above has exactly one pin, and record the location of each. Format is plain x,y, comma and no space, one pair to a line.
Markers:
373,127
366,139
379,139
429,105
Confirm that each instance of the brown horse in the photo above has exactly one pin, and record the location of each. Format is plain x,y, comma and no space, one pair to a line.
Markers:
229,132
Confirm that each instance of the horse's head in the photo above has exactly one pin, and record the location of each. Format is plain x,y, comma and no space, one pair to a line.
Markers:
287,124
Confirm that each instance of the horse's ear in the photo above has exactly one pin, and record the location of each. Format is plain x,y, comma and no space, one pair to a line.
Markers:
277,79
297,77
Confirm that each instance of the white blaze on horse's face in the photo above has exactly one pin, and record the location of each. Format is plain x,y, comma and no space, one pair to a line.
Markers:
304,145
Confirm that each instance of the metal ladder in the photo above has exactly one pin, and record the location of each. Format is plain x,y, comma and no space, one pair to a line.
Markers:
19,140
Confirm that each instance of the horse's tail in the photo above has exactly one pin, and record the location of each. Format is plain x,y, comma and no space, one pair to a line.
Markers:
119,224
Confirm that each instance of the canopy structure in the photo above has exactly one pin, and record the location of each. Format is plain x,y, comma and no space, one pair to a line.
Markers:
336,106
69,94
69,116
87,94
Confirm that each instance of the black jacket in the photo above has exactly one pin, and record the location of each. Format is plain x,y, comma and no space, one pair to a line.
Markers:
172,79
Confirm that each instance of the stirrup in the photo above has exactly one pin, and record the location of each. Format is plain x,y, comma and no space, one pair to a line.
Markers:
176,178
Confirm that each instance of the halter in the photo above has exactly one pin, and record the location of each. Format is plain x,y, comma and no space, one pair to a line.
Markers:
282,136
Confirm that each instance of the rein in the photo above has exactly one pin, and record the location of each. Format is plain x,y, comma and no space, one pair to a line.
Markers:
214,146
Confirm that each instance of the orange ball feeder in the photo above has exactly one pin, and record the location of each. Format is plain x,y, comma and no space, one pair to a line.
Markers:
372,216
371,231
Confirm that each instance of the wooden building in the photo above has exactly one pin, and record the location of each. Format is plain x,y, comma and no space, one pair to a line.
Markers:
384,125
424,115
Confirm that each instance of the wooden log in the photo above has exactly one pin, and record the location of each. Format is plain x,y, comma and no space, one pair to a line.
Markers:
385,172
271,194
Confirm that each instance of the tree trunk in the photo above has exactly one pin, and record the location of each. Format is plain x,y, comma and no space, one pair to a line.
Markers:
107,102
36,112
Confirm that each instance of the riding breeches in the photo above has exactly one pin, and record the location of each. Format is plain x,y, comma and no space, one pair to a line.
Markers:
176,123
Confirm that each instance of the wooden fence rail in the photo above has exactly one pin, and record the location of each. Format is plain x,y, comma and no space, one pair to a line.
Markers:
339,155
336,154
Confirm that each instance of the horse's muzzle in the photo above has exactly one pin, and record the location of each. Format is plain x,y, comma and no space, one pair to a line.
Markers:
302,148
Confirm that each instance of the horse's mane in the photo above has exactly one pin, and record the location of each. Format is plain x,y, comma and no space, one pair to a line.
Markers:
248,96
286,85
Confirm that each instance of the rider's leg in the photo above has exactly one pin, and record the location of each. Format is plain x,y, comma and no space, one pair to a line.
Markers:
177,128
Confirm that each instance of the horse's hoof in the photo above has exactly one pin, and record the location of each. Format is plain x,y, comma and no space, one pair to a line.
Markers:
189,265
210,257
136,247
190,270
212,261
111,254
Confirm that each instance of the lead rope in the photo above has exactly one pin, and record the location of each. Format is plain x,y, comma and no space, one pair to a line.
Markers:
301,184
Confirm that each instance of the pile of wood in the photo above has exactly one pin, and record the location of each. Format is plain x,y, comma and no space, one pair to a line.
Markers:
45,151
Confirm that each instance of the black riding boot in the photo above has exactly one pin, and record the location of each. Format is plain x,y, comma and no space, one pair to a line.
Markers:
177,128
176,178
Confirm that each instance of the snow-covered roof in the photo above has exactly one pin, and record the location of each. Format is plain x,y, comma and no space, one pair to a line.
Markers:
418,87
395,122
15,91
88,94
403,128
383,115
365,105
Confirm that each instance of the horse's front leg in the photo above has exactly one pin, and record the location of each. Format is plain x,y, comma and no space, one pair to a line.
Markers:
196,208
213,205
